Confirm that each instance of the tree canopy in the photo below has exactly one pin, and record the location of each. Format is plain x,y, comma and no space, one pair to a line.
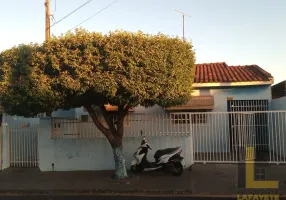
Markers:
92,69
78,69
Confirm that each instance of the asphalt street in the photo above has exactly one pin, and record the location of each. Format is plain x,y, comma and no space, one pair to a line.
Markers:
93,197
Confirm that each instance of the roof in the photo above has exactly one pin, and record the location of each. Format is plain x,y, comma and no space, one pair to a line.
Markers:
279,90
222,73
282,83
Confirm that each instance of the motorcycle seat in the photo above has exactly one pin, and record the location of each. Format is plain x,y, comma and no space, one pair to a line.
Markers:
161,152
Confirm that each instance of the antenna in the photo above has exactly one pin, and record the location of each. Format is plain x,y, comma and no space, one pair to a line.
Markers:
183,21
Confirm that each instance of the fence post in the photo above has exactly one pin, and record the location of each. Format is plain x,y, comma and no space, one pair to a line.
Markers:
191,140
8,146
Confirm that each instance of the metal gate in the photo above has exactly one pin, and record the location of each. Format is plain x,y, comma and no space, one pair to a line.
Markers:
23,145
259,126
244,136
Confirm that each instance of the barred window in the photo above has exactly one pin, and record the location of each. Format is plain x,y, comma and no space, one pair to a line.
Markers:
184,118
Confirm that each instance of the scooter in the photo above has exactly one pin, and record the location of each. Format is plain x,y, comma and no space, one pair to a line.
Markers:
167,160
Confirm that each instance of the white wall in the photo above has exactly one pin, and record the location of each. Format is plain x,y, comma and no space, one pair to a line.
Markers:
95,154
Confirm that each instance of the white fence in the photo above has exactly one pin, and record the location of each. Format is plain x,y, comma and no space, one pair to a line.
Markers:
215,136
22,145
226,137
150,124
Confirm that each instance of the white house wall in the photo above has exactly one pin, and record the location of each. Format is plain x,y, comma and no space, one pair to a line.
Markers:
95,154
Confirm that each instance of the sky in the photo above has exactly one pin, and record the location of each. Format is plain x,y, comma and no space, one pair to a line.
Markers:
238,32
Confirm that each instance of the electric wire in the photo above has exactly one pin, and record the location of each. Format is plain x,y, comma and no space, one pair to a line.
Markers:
93,15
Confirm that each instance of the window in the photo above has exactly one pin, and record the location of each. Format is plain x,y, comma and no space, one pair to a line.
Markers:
178,118
184,118
65,128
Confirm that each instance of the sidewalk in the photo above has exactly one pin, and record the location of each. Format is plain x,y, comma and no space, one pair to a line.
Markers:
214,179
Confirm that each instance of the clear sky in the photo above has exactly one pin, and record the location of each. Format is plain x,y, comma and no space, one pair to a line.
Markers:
237,32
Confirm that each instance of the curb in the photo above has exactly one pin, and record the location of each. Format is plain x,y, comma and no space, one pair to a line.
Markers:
95,192
134,193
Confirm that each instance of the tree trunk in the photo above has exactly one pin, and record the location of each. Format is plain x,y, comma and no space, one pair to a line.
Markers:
114,136
120,168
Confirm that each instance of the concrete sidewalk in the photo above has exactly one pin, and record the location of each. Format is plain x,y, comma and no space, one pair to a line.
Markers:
215,179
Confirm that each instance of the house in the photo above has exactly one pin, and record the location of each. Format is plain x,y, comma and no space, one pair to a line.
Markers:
279,96
216,87
208,127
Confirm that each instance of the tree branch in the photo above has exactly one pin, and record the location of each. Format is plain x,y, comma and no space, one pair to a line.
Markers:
96,121
108,120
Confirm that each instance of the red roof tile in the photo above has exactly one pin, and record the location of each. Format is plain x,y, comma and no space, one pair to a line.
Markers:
222,73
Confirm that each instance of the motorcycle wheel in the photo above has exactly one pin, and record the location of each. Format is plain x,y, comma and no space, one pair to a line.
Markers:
178,169
135,169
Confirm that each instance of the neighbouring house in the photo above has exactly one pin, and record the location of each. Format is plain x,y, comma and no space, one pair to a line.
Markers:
208,127
279,90
279,96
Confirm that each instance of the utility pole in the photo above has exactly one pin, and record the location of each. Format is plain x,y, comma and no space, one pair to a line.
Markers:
183,22
48,20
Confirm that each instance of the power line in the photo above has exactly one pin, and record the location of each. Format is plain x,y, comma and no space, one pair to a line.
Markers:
93,15
71,13
52,15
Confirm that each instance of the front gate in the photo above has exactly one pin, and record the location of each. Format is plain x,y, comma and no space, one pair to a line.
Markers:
23,145
259,126
243,136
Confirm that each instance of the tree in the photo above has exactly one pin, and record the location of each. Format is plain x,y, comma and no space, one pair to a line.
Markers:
121,68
